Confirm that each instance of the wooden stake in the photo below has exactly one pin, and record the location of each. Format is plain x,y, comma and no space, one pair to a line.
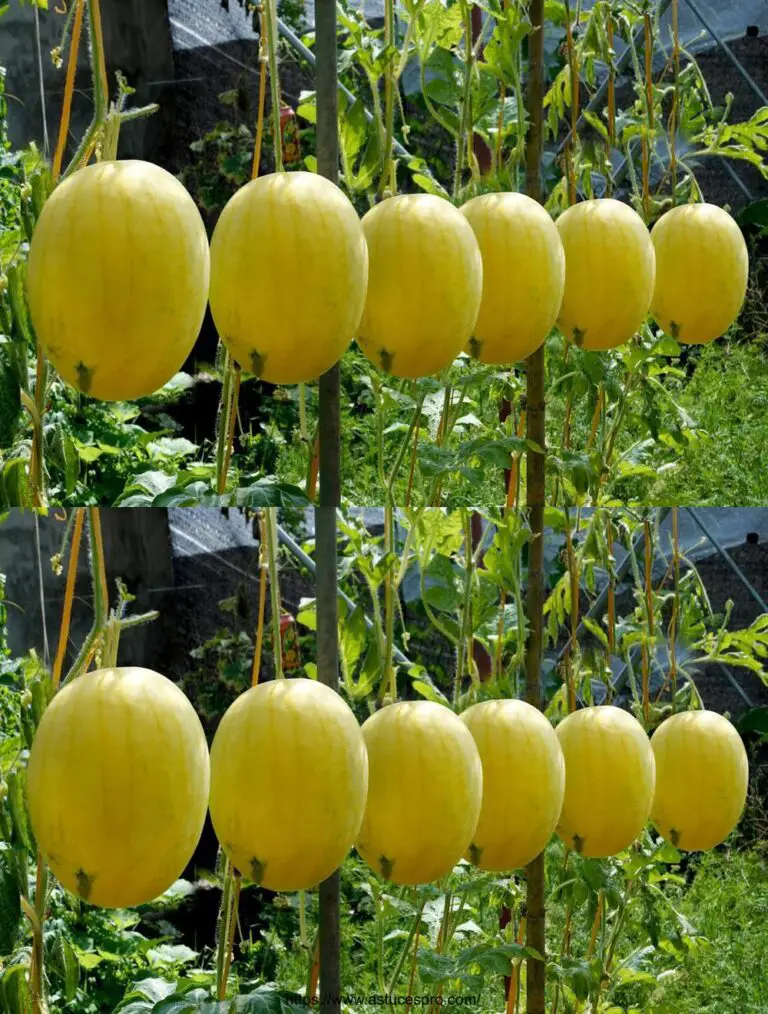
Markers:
329,435
535,493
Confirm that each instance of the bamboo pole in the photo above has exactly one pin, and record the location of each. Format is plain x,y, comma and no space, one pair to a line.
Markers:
329,437
535,492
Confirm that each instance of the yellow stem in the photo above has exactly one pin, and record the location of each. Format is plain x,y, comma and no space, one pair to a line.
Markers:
263,580
69,592
69,85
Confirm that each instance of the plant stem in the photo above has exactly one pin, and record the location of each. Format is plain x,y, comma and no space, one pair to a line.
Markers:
649,621
675,100
414,425
223,423
263,582
274,81
466,611
464,139
573,136
614,938
225,917
37,412
406,949
69,592
389,680
69,85
234,396
675,609
574,584
611,143
270,526
390,84
263,61
648,132
514,981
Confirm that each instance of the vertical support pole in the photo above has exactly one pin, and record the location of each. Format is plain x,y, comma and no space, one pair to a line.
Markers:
330,493
535,492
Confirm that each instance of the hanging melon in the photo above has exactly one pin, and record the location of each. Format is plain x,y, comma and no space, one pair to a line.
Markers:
609,273
702,267
424,792
118,785
523,783
424,285
523,276
609,780
289,775
701,779
117,278
288,276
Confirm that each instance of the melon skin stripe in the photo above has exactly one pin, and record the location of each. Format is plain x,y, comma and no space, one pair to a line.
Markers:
117,278
610,777
424,285
118,785
610,270
702,271
424,793
289,270
523,276
289,775
702,776
523,783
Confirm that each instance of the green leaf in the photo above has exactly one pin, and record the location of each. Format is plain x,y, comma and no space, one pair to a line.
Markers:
10,907
17,801
15,484
353,636
14,990
64,960
152,989
307,614
170,954
267,1000
171,447
10,405
442,584
353,128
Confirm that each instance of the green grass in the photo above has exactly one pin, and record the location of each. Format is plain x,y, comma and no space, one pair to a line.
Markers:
728,904
722,401
728,397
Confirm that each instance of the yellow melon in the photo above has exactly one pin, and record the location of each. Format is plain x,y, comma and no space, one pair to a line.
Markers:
609,273
702,267
523,276
288,275
424,792
118,785
609,780
523,783
424,286
289,775
702,774
117,278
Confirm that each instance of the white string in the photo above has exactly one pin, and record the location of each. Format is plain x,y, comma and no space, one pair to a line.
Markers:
46,655
42,84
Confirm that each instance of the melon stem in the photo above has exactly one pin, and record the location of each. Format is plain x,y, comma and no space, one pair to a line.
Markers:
274,80
414,931
389,676
390,83
270,527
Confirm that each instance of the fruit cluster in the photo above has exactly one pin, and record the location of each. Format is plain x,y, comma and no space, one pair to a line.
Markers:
120,272
120,779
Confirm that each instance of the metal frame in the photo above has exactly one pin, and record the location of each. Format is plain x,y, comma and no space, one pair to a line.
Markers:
598,606
621,676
